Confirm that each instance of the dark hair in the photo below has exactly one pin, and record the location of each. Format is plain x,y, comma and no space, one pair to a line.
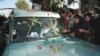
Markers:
85,10
77,16
89,14
81,20
62,11
71,10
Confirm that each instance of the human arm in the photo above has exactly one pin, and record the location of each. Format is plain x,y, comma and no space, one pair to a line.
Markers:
84,31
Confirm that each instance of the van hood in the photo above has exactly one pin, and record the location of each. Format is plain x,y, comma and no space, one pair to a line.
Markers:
22,49
29,48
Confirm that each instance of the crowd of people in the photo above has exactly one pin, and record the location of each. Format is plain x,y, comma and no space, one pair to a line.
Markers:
83,24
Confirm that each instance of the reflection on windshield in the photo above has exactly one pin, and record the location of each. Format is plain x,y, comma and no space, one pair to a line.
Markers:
24,29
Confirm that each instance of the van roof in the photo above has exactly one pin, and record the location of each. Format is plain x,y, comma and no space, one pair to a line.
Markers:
33,13
28,13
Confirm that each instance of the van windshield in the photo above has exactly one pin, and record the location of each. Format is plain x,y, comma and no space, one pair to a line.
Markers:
27,29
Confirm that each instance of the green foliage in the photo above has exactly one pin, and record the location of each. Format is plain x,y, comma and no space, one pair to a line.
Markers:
34,21
48,5
22,4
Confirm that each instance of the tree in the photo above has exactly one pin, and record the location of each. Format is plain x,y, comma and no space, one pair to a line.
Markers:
22,4
36,1
47,5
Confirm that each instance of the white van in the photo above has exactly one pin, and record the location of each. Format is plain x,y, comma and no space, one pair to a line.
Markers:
29,25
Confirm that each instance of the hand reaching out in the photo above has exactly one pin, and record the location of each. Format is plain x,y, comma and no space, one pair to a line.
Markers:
81,30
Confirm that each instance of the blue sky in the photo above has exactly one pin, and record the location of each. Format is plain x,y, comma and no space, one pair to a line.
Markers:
9,3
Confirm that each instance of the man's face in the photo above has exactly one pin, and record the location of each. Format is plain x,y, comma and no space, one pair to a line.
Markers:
63,14
87,18
70,14
76,20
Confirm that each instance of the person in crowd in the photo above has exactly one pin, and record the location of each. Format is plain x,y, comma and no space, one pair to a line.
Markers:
2,19
84,12
76,30
96,25
64,21
79,12
89,33
2,27
77,27
63,18
71,18
95,12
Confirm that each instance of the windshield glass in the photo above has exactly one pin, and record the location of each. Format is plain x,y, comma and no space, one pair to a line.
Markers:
26,29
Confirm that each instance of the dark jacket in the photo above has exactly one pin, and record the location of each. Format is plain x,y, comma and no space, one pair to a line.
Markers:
96,27
76,28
